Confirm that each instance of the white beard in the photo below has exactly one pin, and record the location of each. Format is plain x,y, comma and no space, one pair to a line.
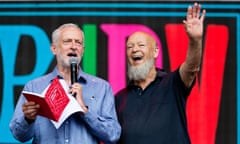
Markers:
140,72
65,62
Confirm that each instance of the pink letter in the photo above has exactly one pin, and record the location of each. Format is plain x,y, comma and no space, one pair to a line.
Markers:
117,34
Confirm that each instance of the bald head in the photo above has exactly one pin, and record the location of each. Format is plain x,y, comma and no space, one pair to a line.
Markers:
141,36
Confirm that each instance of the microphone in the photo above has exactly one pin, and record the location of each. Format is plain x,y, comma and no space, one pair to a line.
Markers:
73,67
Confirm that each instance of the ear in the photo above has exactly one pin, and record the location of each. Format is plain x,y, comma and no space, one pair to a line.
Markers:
53,49
156,52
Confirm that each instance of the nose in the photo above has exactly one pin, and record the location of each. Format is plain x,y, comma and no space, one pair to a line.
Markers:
73,46
135,48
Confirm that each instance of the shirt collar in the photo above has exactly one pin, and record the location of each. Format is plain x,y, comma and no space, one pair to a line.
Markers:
82,77
160,74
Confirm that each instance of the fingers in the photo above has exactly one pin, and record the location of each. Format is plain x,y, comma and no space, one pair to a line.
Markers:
198,10
189,13
75,89
203,15
30,110
194,12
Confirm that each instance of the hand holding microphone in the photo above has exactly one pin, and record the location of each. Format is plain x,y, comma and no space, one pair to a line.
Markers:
76,88
76,91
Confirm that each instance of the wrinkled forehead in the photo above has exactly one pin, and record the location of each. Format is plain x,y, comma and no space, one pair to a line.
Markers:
71,33
140,37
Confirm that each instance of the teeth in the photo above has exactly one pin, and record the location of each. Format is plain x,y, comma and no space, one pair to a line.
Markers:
136,56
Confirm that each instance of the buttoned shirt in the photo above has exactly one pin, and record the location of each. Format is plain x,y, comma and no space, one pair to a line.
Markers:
155,115
99,124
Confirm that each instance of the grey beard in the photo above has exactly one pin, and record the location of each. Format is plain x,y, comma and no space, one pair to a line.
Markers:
66,63
140,72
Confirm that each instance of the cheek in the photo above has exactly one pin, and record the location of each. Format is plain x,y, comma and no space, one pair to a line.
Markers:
128,56
148,56
80,53
58,51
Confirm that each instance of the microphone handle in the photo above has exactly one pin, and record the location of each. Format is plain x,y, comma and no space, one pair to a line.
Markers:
73,73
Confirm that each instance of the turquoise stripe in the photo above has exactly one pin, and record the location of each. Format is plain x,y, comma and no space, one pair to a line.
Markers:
115,5
90,13
238,78
107,13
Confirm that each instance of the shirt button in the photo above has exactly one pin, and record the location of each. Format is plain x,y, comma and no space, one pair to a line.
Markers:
139,91
66,141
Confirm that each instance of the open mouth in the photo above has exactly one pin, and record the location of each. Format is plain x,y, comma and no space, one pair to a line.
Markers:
72,55
137,58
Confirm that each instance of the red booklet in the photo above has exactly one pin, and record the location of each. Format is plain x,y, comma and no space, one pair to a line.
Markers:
52,102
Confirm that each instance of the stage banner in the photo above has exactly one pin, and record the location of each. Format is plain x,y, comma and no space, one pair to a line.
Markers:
212,108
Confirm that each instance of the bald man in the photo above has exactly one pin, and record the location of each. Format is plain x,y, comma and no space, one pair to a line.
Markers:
152,108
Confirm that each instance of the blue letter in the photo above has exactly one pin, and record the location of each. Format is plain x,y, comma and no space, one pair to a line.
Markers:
9,40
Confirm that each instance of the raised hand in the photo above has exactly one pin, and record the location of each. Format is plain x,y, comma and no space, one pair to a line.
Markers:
194,22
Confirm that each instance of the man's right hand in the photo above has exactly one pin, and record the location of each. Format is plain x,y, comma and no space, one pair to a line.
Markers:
30,110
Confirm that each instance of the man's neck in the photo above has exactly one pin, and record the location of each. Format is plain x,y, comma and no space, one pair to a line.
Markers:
65,73
145,82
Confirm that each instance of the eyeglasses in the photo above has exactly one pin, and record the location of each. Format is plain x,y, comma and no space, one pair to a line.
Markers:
77,43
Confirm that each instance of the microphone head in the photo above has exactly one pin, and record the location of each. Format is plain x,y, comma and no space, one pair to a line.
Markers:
73,60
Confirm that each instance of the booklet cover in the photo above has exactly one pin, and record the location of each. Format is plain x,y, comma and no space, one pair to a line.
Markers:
55,103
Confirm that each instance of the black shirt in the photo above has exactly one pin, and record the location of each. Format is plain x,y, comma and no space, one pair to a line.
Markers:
155,115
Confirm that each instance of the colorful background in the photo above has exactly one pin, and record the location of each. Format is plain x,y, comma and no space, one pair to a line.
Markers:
212,108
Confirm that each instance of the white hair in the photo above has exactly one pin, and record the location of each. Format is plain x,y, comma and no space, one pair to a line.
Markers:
56,33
